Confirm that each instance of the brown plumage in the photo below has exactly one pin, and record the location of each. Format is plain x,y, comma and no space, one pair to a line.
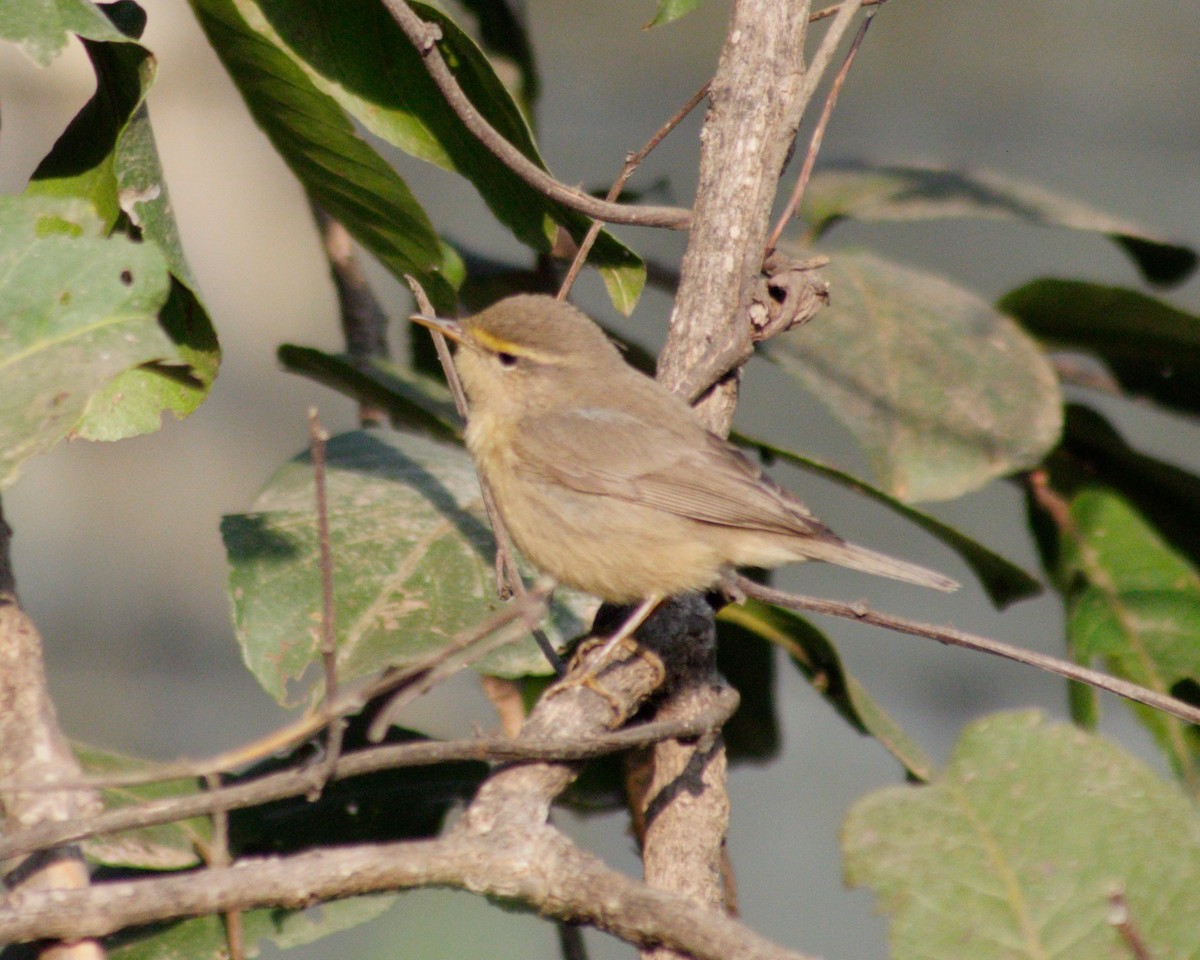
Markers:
607,481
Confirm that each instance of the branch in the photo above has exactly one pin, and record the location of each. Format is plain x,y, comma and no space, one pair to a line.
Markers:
502,846
755,111
300,781
971,641
542,869
33,750
424,37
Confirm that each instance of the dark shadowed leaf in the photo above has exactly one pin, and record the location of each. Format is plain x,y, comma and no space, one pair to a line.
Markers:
1019,847
817,659
900,194
291,59
1003,580
411,399
502,34
412,564
320,145
943,392
1151,348
1094,453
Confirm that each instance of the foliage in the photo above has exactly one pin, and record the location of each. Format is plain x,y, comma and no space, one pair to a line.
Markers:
103,331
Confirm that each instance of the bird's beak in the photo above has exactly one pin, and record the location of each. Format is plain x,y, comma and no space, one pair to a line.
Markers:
451,329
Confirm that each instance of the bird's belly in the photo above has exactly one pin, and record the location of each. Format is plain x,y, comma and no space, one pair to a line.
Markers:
610,548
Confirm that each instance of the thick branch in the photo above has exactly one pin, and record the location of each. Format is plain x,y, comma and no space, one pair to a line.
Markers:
543,869
755,110
34,751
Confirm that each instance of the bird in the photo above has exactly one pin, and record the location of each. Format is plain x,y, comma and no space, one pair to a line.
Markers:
607,481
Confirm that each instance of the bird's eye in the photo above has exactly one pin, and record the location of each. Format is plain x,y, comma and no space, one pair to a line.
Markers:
507,359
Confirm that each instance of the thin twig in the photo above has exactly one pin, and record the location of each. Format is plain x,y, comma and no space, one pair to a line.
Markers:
216,854
424,37
1118,917
364,324
298,781
814,146
827,12
318,437
970,641
829,44
632,162
349,702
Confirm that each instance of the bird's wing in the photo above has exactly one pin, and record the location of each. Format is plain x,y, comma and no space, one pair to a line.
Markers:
674,465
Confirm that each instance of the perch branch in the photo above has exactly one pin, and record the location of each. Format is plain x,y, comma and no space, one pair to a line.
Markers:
970,641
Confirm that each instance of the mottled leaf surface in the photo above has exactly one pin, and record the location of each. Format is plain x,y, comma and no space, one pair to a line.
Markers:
412,564
943,392
77,309
1016,850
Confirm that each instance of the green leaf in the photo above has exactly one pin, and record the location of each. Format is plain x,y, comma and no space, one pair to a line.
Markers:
1093,452
320,145
1151,348
502,34
943,392
168,846
669,10
108,157
412,564
904,194
1003,580
338,60
43,27
1134,603
78,309
1019,847
411,399
817,659
206,938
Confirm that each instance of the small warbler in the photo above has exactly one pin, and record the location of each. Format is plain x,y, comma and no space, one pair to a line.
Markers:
607,481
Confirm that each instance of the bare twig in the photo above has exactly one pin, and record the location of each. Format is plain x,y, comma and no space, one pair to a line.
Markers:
297,782
970,641
632,162
424,37
829,44
216,854
512,619
318,438
828,12
364,324
1118,917
814,146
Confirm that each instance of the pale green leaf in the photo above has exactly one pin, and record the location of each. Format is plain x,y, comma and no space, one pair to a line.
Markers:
1018,848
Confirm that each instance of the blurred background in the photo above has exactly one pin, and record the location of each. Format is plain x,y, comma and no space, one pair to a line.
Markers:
118,555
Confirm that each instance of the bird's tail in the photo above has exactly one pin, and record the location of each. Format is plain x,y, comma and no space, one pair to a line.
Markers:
860,558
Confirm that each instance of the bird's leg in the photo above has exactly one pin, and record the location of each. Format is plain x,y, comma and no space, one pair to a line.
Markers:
593,663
